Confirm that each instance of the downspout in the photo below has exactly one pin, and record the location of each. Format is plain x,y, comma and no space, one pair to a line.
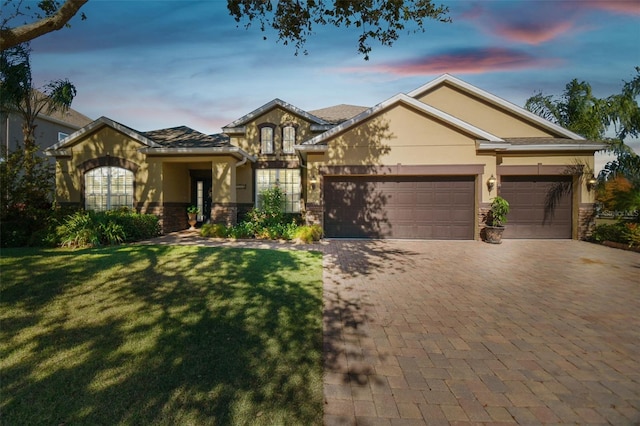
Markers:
241,162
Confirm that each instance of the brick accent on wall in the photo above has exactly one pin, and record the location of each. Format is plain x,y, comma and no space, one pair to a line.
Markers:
586,220
174,217
226,213
482,214
314,213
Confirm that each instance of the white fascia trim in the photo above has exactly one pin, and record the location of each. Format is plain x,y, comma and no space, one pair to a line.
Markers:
402,98
321,127
57,153
234,130
235,151
311,148
101,122
497,101
269,105
543,147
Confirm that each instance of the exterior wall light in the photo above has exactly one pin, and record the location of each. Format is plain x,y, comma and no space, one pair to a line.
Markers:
313,182
491,183
591,183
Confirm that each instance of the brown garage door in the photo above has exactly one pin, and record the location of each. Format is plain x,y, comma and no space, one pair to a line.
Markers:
532,215
424,207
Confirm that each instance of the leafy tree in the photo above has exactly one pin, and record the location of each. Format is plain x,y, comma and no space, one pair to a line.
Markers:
50,16
578,110
293,20
17,95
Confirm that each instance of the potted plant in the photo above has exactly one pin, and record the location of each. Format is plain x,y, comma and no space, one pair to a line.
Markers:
192,212
495,220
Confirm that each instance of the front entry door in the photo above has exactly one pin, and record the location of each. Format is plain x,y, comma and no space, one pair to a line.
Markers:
201,196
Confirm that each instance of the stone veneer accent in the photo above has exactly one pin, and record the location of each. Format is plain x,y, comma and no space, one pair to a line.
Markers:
482,214
313,214
586,220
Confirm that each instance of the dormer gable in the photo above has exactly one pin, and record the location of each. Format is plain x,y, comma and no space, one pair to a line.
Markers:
485,110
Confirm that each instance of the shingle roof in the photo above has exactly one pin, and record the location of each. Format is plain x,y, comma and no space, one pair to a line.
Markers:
71,117
186,137
338,113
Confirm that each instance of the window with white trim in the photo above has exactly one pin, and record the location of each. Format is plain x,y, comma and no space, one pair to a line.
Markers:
266,140
62,135
108,188
288,180
288,139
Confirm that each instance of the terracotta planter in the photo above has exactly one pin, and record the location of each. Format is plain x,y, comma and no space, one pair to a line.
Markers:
493,234
193,219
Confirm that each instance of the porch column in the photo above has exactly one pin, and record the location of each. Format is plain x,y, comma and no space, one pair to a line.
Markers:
224,205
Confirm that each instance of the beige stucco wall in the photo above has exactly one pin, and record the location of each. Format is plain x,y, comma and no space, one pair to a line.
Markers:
244,176
250,142
480,113
107,142
401,135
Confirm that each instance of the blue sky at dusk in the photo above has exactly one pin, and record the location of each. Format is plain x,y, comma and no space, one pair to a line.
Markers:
156,64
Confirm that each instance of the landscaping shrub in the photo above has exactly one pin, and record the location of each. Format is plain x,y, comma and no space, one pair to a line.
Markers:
90,229
619,232
308,233
217,230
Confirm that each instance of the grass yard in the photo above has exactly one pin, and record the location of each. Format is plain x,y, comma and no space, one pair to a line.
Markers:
160,335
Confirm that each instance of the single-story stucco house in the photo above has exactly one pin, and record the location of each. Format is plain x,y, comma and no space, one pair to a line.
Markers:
422,165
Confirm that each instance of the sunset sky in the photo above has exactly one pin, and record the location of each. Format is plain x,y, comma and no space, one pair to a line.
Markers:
156,64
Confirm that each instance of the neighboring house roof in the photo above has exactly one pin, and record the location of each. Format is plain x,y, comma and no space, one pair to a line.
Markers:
186,137
72,118
173,141
338,113
395,100
237,126
495,100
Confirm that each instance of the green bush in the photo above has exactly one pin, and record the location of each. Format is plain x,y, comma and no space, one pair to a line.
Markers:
619,232
217,230
90,229
308,233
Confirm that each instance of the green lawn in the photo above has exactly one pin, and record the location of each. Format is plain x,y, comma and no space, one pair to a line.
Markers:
160,335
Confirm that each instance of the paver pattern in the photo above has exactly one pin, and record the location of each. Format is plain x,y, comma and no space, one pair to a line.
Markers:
464,332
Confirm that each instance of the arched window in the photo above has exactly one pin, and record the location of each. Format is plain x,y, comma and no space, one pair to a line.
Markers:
288,139
107,188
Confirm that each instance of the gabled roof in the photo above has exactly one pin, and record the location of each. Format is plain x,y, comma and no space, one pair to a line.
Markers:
237,125
407,100
495,100
98,124
338,113
186,137
180,140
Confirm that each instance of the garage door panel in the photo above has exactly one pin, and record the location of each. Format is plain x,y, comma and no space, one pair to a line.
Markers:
429,207
530,216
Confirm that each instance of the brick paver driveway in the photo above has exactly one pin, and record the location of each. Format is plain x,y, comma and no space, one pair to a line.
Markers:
437,332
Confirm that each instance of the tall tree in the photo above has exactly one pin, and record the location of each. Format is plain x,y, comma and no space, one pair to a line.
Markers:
578,110
293,20
24,170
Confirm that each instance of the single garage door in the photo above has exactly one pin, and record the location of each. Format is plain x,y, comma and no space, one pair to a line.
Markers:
420,207
531,215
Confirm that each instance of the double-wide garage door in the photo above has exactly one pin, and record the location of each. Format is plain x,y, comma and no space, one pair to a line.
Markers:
540,206
421,207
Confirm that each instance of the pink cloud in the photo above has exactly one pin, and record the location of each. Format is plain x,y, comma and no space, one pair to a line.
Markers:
532,32
624,7
465,61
